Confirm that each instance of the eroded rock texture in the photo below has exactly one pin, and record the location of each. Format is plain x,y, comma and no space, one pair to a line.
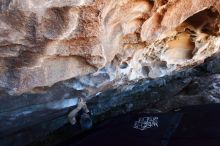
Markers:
111,52
101,43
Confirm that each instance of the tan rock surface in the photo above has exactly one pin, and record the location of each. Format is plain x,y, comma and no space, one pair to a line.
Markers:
46,41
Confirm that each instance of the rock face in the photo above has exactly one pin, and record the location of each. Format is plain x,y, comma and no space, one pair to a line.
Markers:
104,41
114,51
42,117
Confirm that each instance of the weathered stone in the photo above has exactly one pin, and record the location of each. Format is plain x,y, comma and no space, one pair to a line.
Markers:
111,52
102,34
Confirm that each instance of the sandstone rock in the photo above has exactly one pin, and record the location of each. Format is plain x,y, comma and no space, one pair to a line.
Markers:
120,55
45,42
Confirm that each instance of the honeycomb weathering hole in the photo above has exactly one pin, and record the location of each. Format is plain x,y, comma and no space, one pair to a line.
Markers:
180,48
124,65
206,21
194,30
